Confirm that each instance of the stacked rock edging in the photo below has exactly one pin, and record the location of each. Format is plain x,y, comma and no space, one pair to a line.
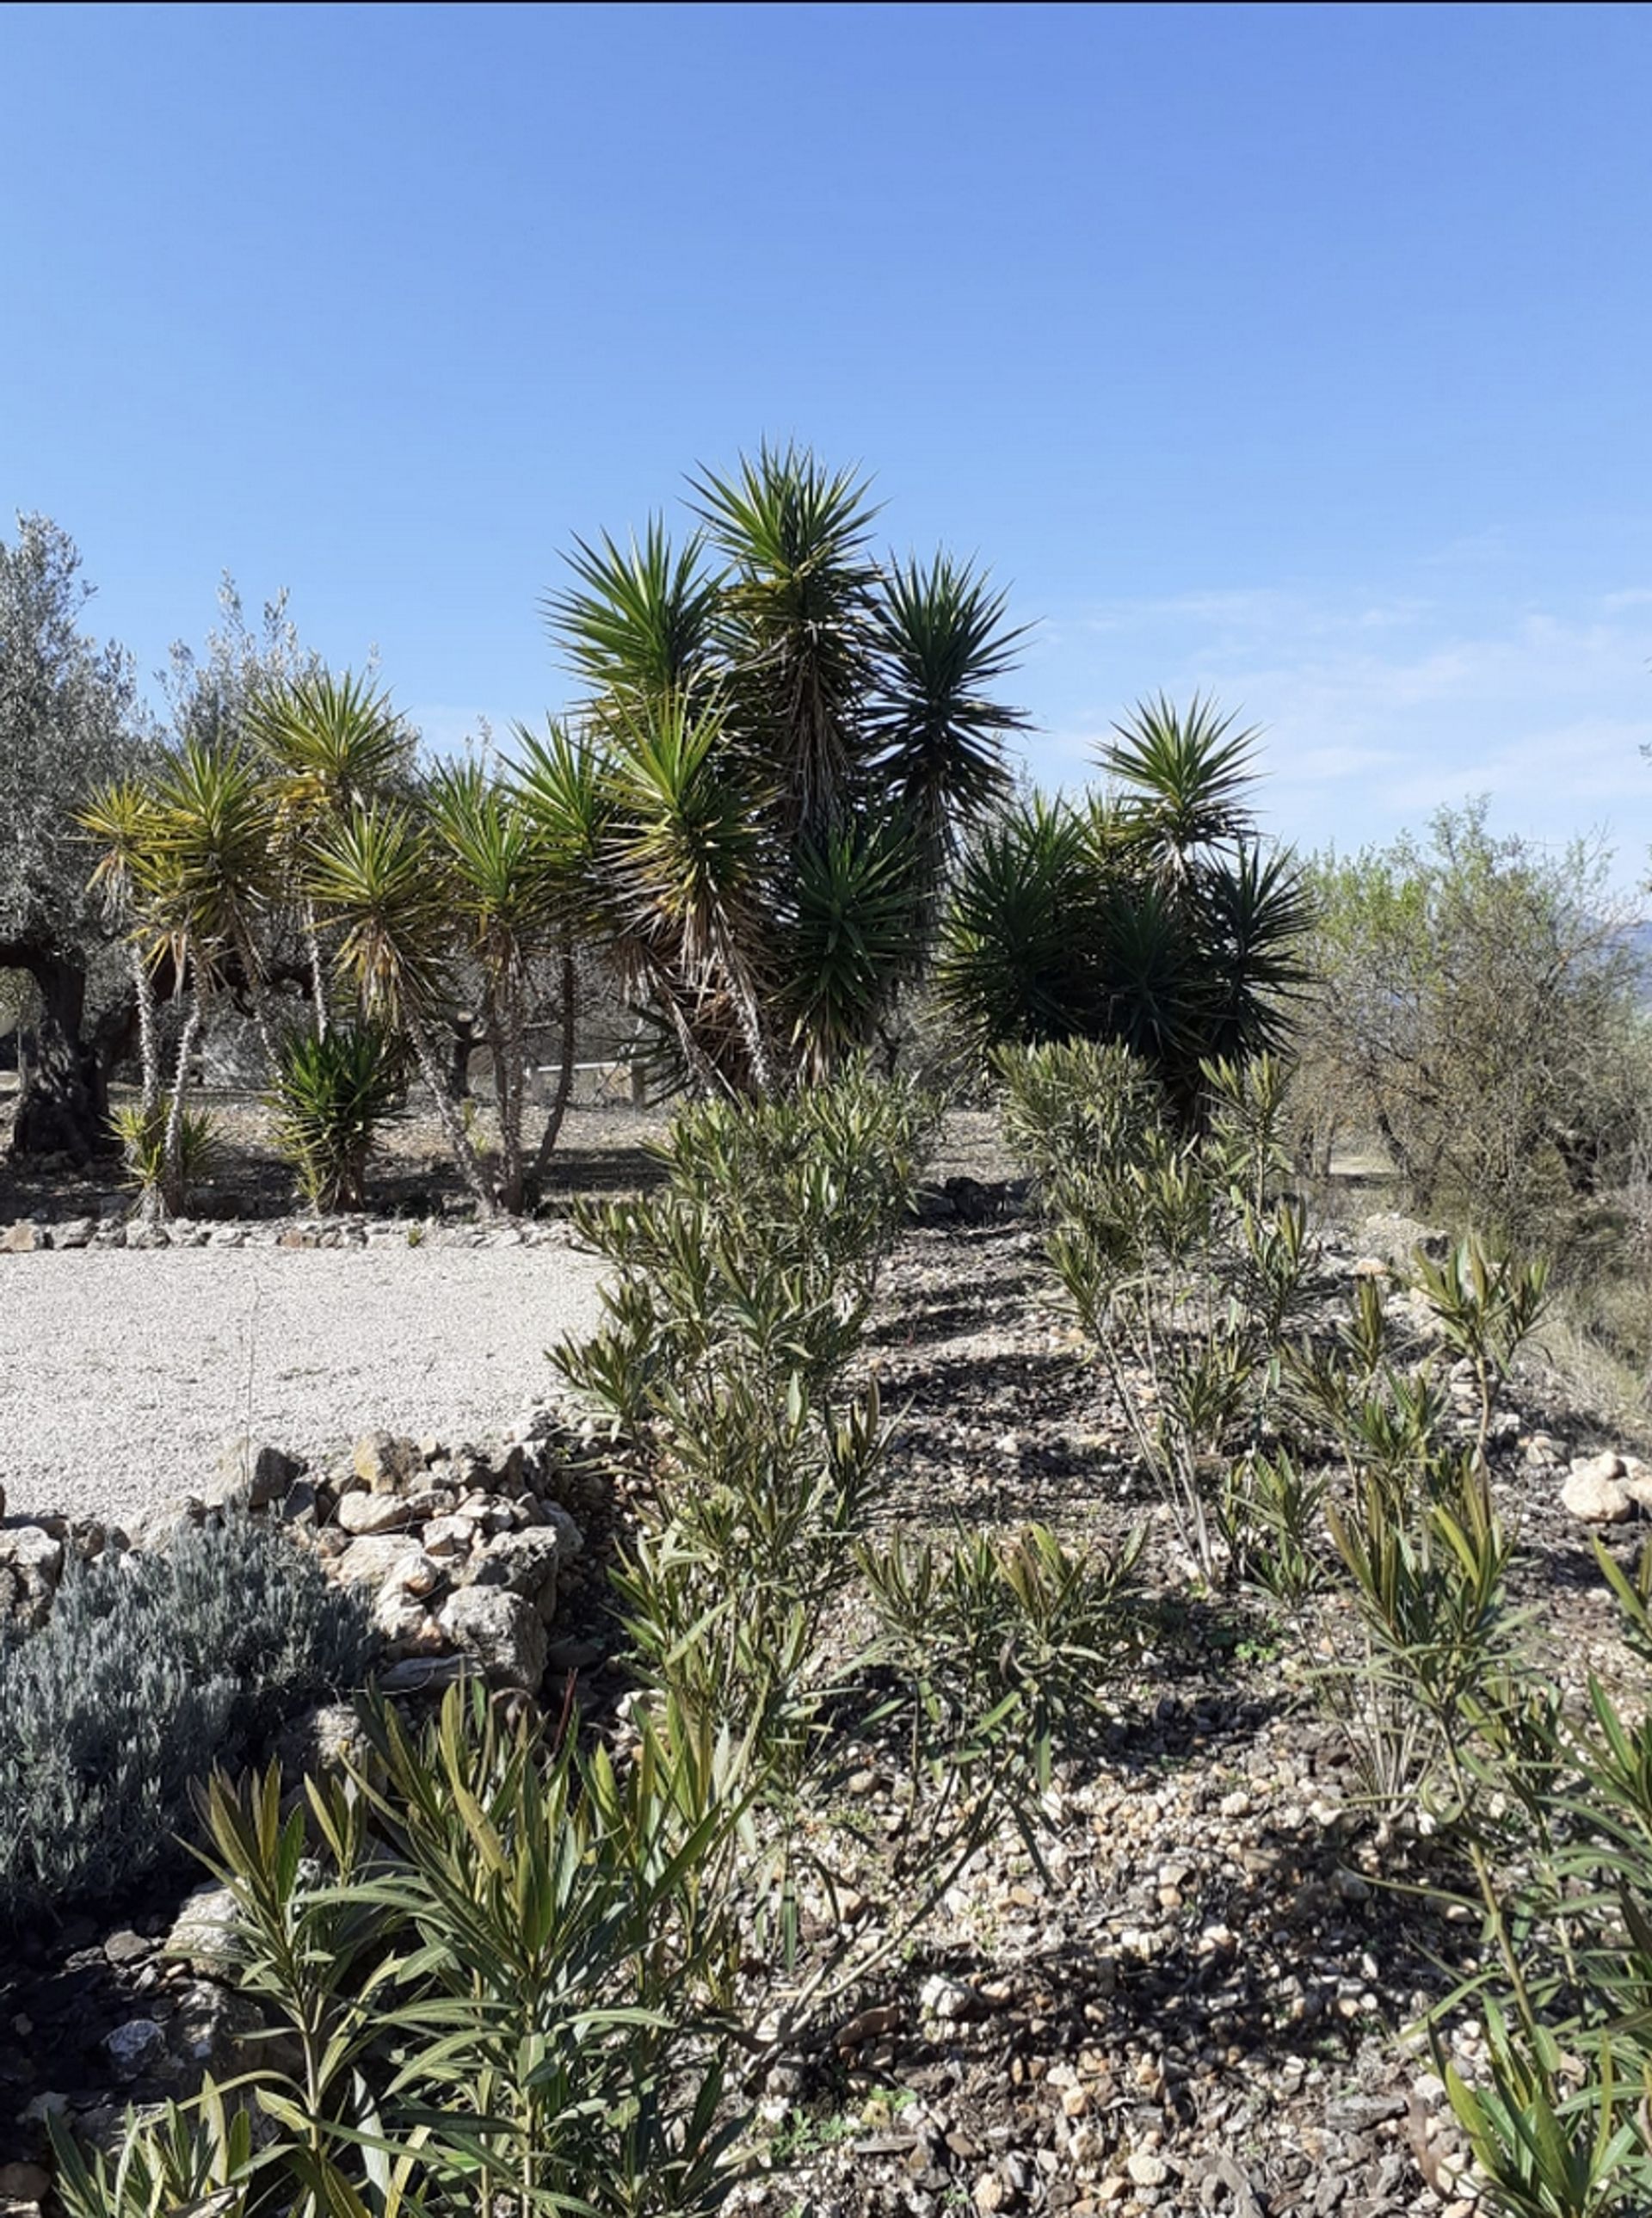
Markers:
31,1235
464,1551
465,1554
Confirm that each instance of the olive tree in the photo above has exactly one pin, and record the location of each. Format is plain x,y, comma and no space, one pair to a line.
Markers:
70,721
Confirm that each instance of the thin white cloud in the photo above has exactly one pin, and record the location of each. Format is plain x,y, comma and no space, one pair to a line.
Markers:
1378,708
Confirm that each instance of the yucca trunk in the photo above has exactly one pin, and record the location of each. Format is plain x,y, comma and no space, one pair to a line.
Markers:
475,1177
168,1197
565,1050
507,1036
253,970
318,969
748,1015
148,1045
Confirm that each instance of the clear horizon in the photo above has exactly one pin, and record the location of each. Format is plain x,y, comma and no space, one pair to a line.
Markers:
1294,356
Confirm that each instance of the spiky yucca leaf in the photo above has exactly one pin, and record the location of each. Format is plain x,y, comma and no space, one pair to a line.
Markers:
944,641
853,937
375,880
1186,773
637,625
142,1135
335,743
1016,962
331,1098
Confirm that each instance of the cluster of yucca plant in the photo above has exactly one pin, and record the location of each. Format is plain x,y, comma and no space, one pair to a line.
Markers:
1149,915
334,1093
749,815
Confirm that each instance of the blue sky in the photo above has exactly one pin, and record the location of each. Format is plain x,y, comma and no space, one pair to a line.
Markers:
1300,353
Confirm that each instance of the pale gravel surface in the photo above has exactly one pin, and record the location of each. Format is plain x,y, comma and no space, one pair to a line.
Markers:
123,1375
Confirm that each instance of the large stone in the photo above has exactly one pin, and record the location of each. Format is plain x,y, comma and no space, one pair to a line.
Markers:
1637,1483
1395,1239
203,1931
570,1539
135,2048
1594,1491
255,1469
376,1557
214,2029
361,1514
384,1462
421,1675
33,1551
331,1738
21,1238
501,1630
157,1528
525,1562
449,1536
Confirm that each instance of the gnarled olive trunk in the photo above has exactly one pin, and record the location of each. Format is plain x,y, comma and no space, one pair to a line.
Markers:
64,1108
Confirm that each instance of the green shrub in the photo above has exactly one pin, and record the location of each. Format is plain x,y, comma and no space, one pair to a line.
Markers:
331,1096
1479,1012
500,1972
152,1669
1177,1254
761,1249
143,1144
1151,917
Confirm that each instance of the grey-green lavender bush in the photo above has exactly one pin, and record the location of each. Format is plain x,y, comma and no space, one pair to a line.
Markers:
153,1668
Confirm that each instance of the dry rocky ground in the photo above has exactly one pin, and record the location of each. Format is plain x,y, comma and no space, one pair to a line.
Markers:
1204,2000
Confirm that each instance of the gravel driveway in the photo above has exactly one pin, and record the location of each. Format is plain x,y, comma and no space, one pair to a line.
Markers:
123,1375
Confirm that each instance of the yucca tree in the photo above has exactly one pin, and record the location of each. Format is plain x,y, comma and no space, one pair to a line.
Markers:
557,784
797,615
790,736
211,867
119,820
139,893
1153,916
378,883
185,858
333,745
500,888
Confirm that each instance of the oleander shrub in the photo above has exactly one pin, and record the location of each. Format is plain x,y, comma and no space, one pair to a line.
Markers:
154,1669
760,1250
501,1968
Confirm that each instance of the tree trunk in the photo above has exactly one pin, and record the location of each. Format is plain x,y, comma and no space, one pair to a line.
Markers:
548,1138
507,1047
317,970
64,1108
467,1039
173,1194
470,1168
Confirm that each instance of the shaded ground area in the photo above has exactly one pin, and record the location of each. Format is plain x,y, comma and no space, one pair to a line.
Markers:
601,1150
